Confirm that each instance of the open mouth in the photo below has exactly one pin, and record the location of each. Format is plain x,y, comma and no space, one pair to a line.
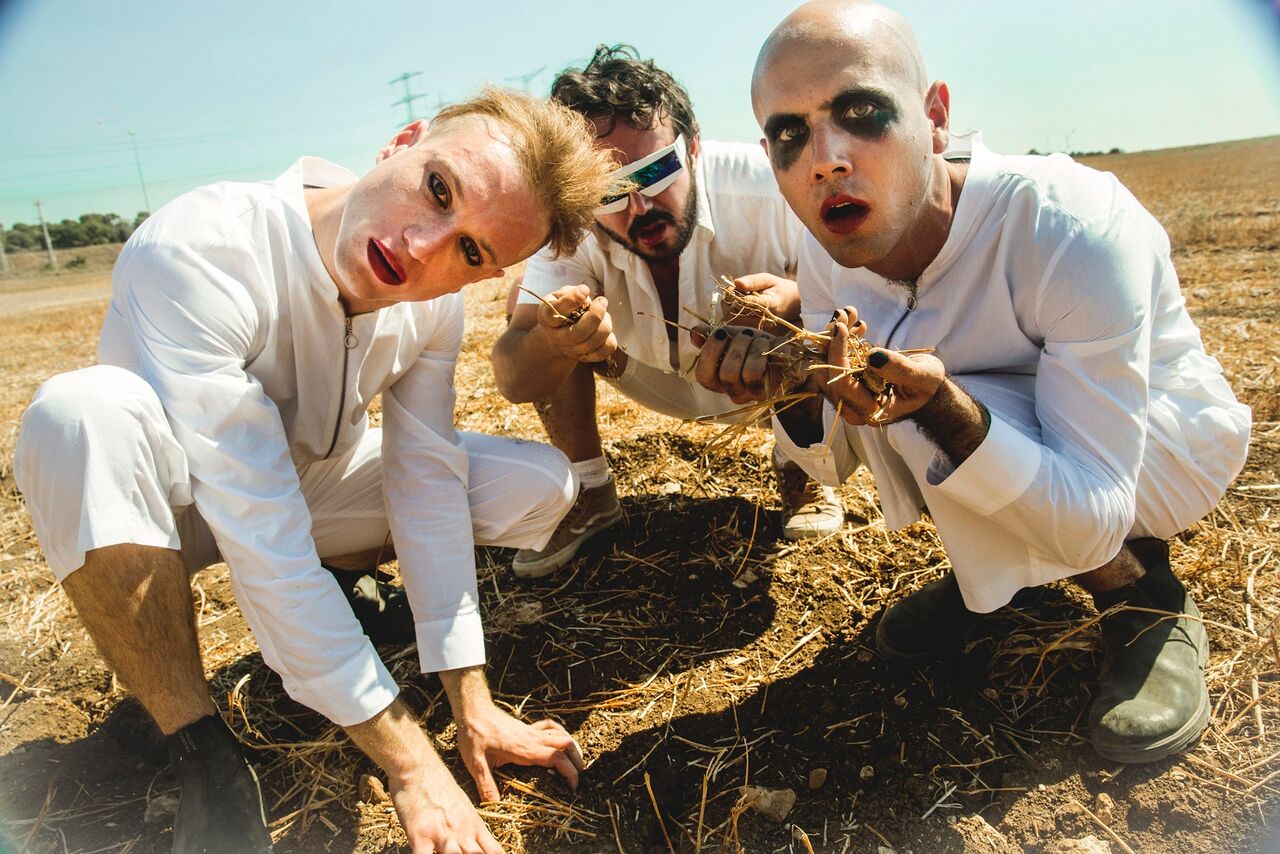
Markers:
651,235
843,214
384,263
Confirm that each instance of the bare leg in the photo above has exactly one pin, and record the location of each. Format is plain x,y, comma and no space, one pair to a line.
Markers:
136,603
1121,570
569,416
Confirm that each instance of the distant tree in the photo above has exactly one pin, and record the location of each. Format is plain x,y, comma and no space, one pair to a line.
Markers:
139,219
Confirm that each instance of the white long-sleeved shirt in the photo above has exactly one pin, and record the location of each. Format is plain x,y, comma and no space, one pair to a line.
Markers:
1054,270
222,303
743,226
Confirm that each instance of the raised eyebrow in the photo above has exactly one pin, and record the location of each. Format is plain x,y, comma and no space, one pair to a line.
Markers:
780,120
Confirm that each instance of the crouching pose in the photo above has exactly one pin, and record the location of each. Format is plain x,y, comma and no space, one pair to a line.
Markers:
1068,421
698,210
250,326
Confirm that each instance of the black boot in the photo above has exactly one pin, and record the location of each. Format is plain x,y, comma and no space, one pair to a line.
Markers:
220,808
383,611
1152,699
931,622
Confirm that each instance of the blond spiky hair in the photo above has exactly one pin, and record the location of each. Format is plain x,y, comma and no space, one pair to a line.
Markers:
556,152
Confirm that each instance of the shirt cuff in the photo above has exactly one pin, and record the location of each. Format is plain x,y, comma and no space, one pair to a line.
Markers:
1001,469
351,694
817,460
450,644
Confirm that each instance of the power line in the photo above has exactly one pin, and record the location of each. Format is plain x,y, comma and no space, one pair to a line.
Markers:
409,97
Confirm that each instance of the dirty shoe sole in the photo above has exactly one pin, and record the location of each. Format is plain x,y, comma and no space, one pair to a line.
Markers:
546,565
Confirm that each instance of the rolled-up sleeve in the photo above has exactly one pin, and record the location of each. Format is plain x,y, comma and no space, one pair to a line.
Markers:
195,325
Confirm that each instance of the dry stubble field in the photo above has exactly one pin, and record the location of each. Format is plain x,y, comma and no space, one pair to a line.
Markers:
691,651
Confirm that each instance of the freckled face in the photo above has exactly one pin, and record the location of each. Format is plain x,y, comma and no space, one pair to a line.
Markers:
448,210
850,143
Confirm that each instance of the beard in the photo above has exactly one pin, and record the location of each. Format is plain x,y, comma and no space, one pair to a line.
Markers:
682,229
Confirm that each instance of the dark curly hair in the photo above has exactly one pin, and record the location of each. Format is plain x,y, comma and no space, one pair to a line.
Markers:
618,84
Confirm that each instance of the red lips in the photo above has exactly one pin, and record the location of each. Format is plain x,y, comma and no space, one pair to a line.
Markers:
385,265
843,214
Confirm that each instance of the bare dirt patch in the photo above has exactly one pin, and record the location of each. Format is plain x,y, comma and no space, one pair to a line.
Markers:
691,651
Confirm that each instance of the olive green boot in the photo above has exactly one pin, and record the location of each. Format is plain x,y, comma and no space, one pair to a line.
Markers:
929,623
1152,699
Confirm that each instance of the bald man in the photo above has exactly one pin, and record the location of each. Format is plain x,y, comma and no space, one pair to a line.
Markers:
1068,421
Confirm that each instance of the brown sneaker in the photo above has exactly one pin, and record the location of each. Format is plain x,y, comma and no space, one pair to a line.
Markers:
808,510
596,509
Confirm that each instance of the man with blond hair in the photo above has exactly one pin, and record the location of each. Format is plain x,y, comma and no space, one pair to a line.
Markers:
1068,421
250,326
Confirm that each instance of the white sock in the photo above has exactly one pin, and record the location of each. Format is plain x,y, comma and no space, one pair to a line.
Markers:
592,473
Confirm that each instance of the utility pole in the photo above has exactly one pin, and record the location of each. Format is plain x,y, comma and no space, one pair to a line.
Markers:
48,244
138,160
4,253
409,97
526,78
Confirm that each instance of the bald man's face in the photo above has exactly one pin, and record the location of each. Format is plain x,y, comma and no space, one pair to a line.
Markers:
849,134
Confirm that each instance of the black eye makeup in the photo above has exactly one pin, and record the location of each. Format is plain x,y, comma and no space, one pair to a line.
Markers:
787,135
863,112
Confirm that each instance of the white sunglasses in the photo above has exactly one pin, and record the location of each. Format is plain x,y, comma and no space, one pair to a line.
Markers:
649,176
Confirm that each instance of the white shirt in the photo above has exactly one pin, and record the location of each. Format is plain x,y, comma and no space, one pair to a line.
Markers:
744,226
1054,270
222,303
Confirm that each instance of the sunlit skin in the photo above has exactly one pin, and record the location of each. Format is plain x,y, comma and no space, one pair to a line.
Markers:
855,135
656,228
443,208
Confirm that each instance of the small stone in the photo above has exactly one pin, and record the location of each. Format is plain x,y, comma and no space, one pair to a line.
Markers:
991,694
882,849
745,580
669,488
865,656
817,779
867,772
371,790
900,701
159,808
1105,807
773,804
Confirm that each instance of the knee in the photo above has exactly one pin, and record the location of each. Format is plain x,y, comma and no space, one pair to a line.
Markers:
551,495
93,408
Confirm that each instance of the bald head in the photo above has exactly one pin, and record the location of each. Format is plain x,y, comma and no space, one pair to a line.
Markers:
845,25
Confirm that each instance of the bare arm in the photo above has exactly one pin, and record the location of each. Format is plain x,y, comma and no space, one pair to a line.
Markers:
435,813
538,351
488,737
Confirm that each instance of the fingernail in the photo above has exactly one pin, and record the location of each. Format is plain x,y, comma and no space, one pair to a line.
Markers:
721,334
835,315
878,359
748,332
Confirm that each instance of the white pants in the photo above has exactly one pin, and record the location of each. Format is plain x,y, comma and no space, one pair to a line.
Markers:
99,466
671,394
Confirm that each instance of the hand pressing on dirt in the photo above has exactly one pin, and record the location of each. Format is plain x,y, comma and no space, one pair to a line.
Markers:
435,813
437,816
778,295
489,738
577,326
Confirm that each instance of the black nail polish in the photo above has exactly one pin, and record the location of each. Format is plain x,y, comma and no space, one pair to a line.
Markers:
835,315
721,334
748,332
878,359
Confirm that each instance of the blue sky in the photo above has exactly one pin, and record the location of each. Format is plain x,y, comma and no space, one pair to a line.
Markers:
238,90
